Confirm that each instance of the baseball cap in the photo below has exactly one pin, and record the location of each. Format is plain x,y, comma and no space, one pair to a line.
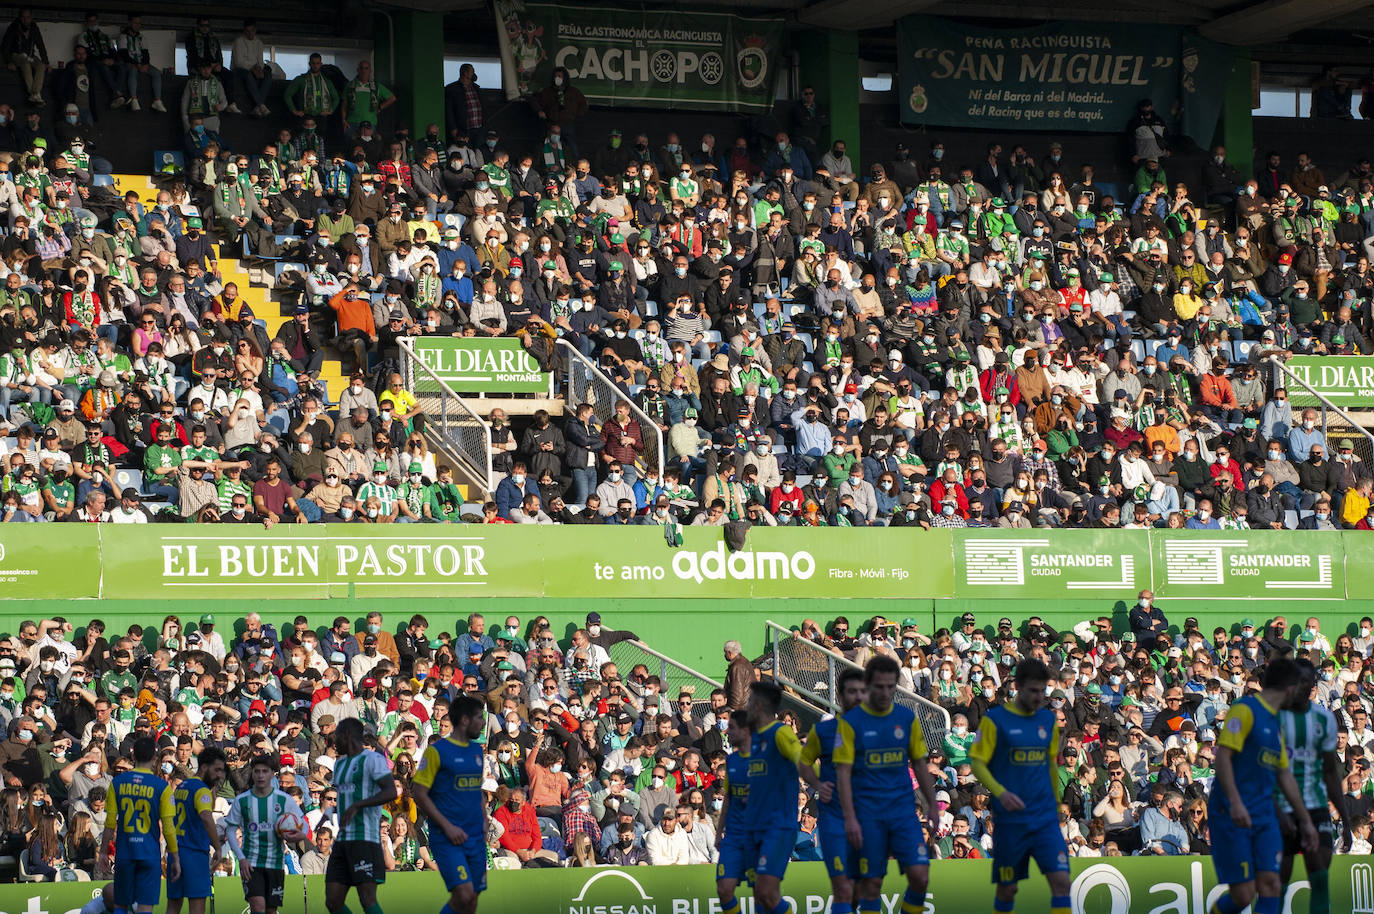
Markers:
369,682
593,617
379,466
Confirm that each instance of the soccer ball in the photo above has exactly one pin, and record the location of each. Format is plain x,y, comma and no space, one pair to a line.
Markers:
290,824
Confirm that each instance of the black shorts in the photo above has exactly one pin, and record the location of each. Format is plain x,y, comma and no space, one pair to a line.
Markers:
355,863
1292,840
269,885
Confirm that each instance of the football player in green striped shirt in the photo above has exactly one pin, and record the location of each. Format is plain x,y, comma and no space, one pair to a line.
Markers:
363,779
1309,733
261,852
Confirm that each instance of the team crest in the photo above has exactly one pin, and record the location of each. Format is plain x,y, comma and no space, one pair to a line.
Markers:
1043,734
897,732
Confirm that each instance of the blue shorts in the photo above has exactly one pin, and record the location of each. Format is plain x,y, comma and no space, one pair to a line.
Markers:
899,836
465,863
736,858
771,851
1239,853
1016,844
840,858
137,882
194,881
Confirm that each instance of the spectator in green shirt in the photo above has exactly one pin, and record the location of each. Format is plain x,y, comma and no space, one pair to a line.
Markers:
161,464
364,98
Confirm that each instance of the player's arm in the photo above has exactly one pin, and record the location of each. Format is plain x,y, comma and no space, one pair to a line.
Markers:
1335,788
204,804
724,806
1239,721
425,773
1289,785
843,757
980,756
111,820
806,766
919,753
231,837
167,812
386,792
786,740
1054,763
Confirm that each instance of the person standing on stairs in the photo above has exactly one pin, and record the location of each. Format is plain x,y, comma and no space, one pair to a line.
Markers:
356,331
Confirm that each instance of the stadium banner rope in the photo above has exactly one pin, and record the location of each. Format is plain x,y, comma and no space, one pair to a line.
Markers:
669,58
1057,76
475,365
179,561
1122,885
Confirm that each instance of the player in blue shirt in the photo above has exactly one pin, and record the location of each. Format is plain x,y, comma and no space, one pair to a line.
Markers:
140,814
1247,845
447,788
1015,756
773,790
733,840
840,862
879,744
197,835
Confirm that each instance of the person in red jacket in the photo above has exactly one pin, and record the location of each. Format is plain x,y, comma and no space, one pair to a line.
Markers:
948,484
521,839
82,304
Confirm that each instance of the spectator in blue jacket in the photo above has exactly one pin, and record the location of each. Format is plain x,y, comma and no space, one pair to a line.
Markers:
511,491
784,153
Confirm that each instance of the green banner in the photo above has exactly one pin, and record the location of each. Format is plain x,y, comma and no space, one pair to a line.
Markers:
180,561
1121,885
1010,564
1057,76
475,365
1345,380
1264,565
668,58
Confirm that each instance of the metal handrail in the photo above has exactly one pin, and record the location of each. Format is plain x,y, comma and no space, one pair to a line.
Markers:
460,427
1326,405
933,718
576,395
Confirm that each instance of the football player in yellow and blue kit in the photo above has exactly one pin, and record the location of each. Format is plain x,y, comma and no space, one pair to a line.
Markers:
841,863
878,744
733,840
140,814
197,834
773,788
1015,757
1247,845
448,789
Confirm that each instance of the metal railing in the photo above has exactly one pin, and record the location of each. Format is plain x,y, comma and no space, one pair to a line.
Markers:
452,422
673,675
587,384
1308,398
814,672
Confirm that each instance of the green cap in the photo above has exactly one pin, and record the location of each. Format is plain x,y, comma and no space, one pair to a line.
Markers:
909,622
1128,702
616,265
504,665
435,644
416,467
1247,623
379,466
207,619
88,221
689,413
1106,277
1094,689
1346,444
1307,636
1251,423
747,350
1127,637
194,222
998,201
550,265
617,238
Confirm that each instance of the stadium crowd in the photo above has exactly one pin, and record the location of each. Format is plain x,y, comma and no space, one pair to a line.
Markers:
916,342
587,762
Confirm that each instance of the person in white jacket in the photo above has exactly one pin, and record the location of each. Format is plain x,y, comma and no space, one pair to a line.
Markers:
668,845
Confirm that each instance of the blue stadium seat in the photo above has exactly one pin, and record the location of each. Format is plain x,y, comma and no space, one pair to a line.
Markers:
1138,350
102,181
1241,349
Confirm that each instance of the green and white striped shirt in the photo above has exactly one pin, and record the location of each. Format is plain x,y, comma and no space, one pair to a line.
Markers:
358,777
256,817
1308,736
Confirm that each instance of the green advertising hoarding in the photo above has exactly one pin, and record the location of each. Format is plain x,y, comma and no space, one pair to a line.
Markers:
1345,380
429,560
1056,76
1260,565
665,58
48,560
478,365
1121,885
1009,564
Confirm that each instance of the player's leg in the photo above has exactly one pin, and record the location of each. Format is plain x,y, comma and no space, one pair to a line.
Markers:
1011,854
1004,899
775,850
735,848
841,865
1060,886
1052,856
725,891
1318,864
336,896
1267,846
1234,861
367,898
917,882
193,906
149,890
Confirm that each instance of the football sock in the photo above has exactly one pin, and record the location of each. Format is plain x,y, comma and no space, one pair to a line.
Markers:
784,907
870,905
374,909
1060,904
343,910
1003,907
731,906
1321,891
1268,904
446,909
1225,905
841,907
913,902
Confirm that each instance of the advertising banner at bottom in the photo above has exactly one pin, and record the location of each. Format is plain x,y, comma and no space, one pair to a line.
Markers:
1121,885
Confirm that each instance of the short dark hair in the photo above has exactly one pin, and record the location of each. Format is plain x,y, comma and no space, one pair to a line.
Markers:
848,675
1031,670
880,664
767,691
145,749
1282,673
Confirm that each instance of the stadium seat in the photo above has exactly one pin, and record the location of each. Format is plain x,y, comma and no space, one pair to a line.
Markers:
806,341
128,479
1138,350
24,874
651,309
102,181
1241,349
